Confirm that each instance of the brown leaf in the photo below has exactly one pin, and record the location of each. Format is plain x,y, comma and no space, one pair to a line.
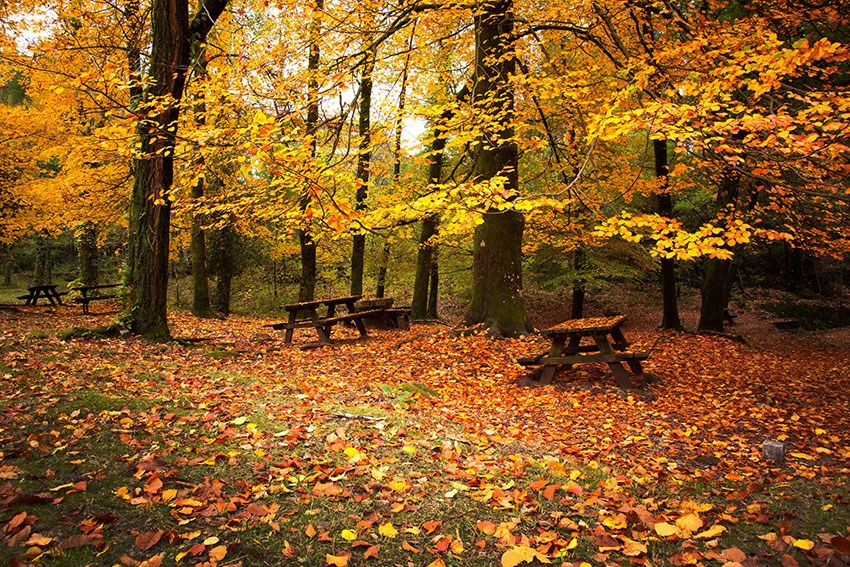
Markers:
147,540
788,561
372,552
217,553
80,540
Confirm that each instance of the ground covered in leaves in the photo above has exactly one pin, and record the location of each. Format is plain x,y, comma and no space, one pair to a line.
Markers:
416,447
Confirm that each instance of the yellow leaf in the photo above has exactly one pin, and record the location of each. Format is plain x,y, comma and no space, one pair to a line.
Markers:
689,522
666,530
804,544
337,560
349,535
438,562
617,522
711,532
387,530
522,554
633,548
212,540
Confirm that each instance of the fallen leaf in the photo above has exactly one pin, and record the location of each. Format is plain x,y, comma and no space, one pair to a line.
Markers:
522,554
147,540
336,560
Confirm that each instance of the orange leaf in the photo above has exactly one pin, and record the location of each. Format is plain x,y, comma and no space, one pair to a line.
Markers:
336,560
371,552
310,531
431,526
407,547
217,553
438,562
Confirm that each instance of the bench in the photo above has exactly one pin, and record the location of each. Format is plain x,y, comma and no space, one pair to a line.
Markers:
84,299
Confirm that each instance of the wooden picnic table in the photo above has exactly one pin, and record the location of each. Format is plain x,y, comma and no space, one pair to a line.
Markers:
47,292
323,324
609,346
89,293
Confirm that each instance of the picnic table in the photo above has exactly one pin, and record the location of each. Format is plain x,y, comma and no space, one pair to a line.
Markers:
47,292
89,293
323,323
609,346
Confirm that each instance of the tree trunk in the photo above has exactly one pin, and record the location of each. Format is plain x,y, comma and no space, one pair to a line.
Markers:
87,243
7,264
381,286
715,296
198,244
670,299
364,158
307,283
150,203
497,248
224,267
577,303
42,271
433,286
424,258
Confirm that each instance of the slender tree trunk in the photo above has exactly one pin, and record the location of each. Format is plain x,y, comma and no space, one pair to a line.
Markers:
7,264
497,247
224,263
307,284
670,317
715,296
41,272
198,244
424,259
381,287
87,243
364,158
577,304
433,286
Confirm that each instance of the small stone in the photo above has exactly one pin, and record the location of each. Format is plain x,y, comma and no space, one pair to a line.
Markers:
773,451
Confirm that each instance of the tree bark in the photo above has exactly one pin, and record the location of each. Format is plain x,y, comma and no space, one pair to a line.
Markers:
433,286
381,285
715,285
87,243
364,158
172,36
307,283
42,272
497,247
670,300
577,304
198,243
424,258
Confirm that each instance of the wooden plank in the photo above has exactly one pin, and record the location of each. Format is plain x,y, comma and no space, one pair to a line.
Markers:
584,326
357,315
588,358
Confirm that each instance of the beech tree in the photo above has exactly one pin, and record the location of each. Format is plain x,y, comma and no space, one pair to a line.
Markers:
173,37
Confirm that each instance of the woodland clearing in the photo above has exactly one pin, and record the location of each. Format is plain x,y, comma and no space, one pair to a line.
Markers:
415,447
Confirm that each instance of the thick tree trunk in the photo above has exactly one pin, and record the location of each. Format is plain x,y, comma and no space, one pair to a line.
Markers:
715,284
670,298
150,206
150,203
497,247
224,266
87,243
364,158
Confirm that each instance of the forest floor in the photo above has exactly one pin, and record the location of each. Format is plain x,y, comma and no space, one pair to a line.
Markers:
417,447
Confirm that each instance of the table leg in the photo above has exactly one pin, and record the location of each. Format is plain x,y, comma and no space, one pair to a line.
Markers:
619,337
556,349
293,315
620,374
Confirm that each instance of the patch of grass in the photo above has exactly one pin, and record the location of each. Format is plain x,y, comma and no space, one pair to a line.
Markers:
91,332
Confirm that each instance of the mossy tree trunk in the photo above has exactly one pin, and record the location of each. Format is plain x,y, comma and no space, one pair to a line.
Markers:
87,245
497,247
198,242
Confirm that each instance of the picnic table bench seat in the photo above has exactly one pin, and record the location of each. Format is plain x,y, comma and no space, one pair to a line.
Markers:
47,292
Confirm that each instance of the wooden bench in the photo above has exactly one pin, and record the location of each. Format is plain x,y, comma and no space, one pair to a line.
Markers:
322,324
398,317
85,298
